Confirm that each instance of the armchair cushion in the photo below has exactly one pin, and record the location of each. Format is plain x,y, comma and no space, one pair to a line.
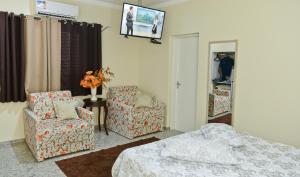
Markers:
143,100
76,101
65,110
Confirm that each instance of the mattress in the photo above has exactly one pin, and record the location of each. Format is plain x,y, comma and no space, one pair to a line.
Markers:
260,159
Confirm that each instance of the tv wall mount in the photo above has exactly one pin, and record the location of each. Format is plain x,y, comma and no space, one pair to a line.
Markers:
155,41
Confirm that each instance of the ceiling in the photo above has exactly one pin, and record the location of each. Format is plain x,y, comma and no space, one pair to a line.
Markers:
144,2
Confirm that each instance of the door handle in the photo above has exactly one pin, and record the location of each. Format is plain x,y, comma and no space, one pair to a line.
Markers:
178,84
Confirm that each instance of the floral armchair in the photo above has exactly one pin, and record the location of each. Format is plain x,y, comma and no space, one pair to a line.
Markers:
47,136
219,102
130,121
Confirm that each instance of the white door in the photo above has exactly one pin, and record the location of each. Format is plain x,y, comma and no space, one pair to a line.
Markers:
185,53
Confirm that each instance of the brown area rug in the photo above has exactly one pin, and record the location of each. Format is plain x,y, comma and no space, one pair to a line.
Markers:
96,164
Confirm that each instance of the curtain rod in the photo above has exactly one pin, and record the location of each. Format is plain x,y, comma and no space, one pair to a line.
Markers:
12,13
61,19
105,28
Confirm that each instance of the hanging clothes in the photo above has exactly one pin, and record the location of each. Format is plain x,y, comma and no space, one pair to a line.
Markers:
225,66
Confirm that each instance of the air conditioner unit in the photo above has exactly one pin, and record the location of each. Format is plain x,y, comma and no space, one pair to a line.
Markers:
44,7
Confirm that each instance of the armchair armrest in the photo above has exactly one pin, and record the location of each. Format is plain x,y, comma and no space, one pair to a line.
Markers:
86,115
158,105
30,118
220,92
80,103
30,128
216,96
123,110
121,104
160,108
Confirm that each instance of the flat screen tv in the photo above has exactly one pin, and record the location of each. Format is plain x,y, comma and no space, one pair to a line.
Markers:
141,21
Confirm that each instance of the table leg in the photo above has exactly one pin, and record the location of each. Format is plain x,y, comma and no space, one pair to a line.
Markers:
99,118
105,117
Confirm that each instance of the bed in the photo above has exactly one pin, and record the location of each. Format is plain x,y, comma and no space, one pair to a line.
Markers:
260,158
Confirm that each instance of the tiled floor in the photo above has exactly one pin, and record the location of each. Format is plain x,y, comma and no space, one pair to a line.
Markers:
16,159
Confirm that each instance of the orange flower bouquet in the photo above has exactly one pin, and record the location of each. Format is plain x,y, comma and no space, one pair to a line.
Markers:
94,79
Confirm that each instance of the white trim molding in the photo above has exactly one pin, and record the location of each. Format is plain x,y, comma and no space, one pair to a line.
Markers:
101,3
169,3
117,6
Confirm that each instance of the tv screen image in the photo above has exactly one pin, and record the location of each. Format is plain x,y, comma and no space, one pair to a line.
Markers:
140,21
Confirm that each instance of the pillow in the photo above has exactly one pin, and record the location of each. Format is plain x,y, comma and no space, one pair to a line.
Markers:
222,133
143,100
215,130
200,150
77,101
65,110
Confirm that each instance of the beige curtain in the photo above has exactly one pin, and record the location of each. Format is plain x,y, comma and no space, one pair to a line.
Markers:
42,54
54,54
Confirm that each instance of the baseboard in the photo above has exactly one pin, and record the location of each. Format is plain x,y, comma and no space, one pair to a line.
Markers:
13,141
23,139
96,128
167,128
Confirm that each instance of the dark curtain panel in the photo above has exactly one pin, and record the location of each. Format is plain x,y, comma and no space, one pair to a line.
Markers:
81,52
12,58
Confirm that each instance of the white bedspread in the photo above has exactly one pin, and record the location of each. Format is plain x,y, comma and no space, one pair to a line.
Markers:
260,159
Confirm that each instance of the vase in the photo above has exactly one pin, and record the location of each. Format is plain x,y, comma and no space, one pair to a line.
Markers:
105,92
94,93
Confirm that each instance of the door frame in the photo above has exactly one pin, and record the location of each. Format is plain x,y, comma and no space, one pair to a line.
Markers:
233,113
173,78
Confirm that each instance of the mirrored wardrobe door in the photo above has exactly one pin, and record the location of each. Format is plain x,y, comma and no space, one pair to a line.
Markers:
221,77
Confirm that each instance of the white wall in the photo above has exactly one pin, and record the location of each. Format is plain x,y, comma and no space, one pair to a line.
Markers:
16,6
267,92
119,53
268,85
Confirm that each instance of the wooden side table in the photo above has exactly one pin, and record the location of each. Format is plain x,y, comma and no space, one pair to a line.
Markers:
101,102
